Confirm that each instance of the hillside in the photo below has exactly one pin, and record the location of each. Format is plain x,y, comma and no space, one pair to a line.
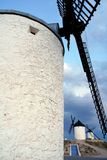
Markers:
91,148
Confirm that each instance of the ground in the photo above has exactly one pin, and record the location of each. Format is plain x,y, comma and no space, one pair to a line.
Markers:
88,148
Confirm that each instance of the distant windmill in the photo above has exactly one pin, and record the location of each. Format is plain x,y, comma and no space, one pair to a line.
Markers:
78,129
76,15
90,133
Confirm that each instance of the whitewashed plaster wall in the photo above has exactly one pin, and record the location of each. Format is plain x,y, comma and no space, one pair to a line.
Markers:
79,133
31,91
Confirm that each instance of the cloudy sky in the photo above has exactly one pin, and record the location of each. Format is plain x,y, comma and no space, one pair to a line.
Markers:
77,98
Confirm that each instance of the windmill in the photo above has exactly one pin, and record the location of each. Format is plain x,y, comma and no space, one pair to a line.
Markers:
76,15
78,129
90,133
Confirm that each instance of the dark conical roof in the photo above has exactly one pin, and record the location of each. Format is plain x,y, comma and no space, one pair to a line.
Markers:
79,123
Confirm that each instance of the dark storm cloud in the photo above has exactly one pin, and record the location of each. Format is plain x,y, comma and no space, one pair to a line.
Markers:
81,108
81,105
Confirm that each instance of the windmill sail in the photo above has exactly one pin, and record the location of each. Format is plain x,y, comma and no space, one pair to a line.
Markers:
72,124
83,9
88,69
76,14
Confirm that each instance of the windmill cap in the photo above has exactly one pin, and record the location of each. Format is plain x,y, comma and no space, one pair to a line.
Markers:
79,123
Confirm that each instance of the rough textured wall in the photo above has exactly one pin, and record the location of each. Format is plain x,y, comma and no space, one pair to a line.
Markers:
31,91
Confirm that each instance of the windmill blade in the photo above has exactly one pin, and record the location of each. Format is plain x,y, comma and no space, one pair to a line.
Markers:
88,69
70,129
70,23
72,119
86,126
72,124
88,129
75,14
80,10
84,9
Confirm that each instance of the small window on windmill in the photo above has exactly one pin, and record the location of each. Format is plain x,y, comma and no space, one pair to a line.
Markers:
33,30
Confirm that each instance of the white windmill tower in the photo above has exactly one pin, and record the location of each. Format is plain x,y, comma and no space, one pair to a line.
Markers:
31,88
89,133
78,129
